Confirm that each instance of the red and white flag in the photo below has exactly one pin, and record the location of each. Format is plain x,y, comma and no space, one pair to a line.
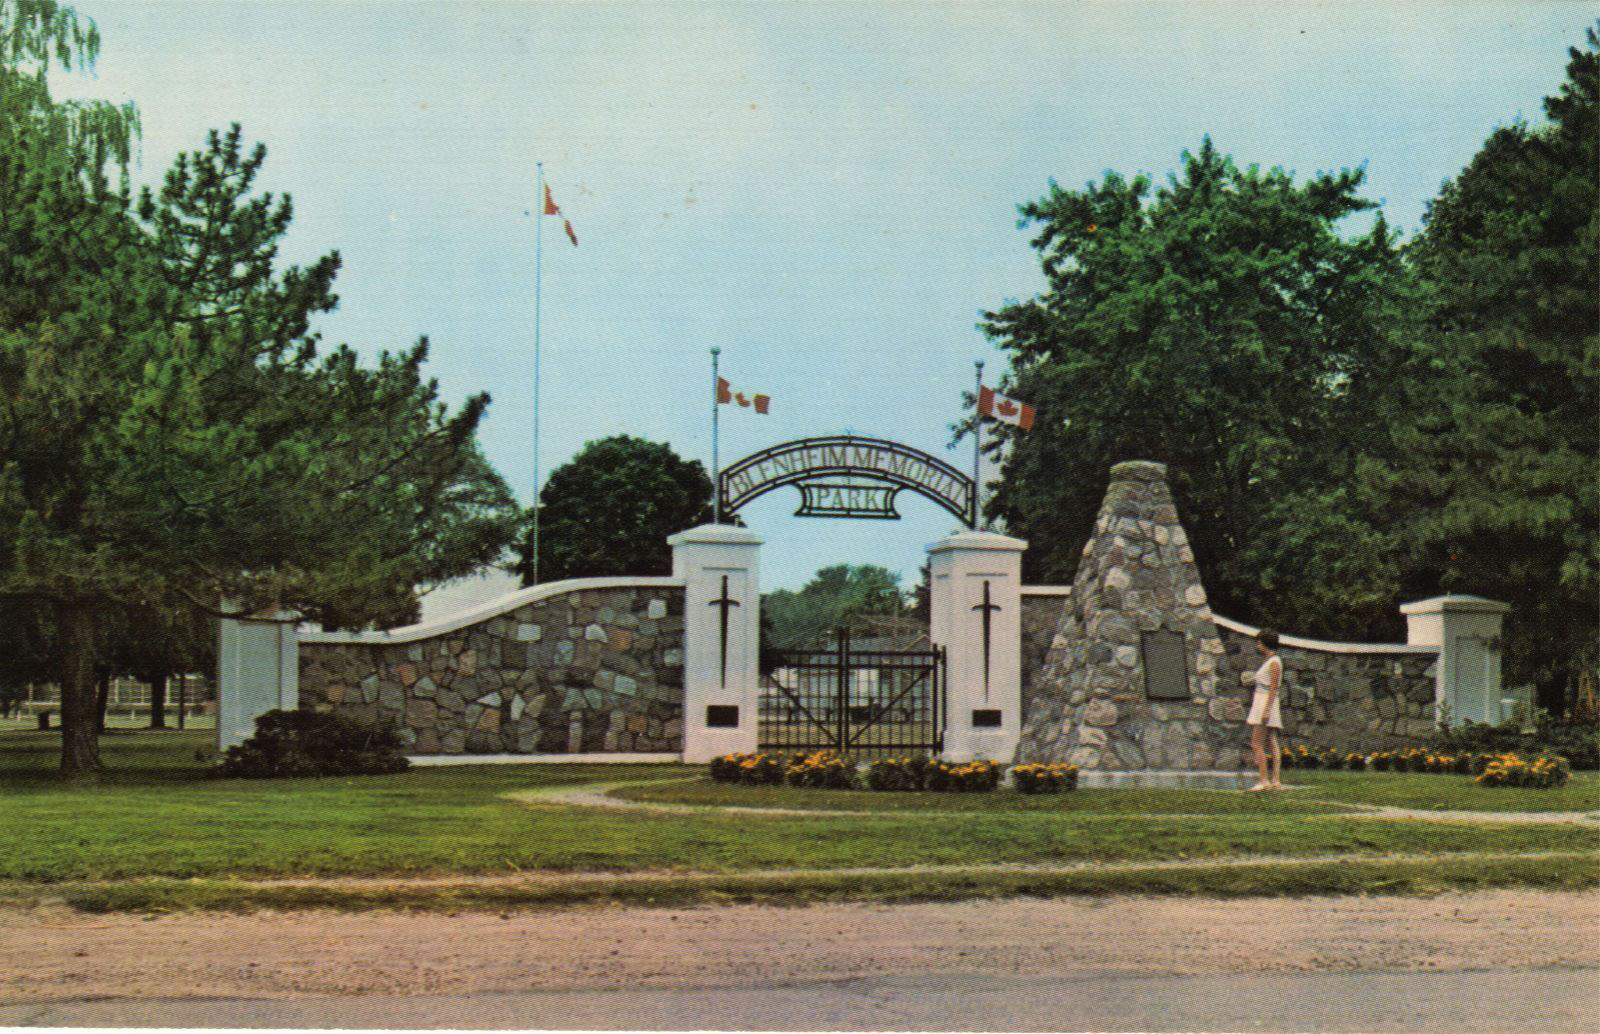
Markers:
551,208
1008,411
726,394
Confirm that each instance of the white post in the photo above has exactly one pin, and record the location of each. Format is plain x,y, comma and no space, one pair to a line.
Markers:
258,670
1466,629
721,638
975,601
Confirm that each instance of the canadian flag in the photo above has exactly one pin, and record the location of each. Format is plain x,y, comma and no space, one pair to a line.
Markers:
1008,411
726,394
551,208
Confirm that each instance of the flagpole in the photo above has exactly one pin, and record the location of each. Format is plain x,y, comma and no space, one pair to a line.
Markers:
716,490
977,451
538,277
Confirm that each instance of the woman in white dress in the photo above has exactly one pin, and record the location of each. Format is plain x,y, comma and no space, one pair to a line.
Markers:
1265,719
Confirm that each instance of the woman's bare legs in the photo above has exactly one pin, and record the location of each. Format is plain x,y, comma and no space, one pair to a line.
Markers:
1258,739
1277,757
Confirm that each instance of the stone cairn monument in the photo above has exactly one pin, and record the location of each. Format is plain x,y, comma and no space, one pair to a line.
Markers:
1136,676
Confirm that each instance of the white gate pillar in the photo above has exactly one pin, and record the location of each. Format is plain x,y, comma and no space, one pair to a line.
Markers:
721,638
258,670
975,603
1466,629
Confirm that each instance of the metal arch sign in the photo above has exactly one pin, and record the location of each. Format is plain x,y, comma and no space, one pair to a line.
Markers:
847,476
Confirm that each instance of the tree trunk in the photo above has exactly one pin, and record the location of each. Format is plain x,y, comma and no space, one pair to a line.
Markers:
80,741
102,697
183,698
158,700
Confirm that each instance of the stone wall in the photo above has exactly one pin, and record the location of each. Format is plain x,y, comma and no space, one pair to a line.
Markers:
1042,613
579,671
1089,704
1351,697
1086,697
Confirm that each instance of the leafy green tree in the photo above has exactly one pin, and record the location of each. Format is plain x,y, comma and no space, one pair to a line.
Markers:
1224,325
169,438
609,510
1493,489
835,597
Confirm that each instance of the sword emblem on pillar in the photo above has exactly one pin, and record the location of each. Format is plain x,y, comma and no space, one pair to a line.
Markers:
725,602
988,610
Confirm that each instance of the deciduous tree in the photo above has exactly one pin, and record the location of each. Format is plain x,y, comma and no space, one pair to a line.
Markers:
1228,324
609,510
835,597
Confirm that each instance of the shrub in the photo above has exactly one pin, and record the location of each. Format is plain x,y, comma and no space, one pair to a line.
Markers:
1044,778
725,768
1355,762
761,769
1574,739
898,774
971,777
310,743
822,769
1478,737
1510,770
1414,759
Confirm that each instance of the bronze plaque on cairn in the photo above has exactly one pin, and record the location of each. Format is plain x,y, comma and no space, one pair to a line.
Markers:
1166,671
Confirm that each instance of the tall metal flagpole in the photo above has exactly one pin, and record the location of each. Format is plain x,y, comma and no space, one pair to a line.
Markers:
716,490
538,276
977,451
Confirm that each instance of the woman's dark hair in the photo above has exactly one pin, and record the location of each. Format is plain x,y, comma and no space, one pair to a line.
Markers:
1268,638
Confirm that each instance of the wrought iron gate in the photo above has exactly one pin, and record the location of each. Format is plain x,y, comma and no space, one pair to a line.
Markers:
854,701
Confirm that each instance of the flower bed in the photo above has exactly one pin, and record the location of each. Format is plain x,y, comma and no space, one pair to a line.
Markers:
1044,778
1506,769
1511,770
924,773
828,770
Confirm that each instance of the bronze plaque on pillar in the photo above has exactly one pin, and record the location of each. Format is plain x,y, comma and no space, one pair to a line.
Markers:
1166,670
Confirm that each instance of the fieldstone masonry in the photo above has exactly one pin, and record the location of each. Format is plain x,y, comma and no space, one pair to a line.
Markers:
612,666
1349,699
1088,704
598,670
1043,609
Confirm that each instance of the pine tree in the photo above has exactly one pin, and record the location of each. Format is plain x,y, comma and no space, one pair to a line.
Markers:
1495,491
171,442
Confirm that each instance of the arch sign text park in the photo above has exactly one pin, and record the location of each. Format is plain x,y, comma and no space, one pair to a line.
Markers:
847,476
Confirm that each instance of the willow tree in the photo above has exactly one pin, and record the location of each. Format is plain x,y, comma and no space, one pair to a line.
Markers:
171,435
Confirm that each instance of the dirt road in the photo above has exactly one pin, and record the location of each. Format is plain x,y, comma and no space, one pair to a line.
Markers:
50,954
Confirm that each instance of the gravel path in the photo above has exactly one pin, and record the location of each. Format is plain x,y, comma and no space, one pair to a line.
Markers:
599,795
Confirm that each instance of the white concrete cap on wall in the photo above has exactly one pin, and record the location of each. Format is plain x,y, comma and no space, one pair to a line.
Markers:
258,670
1466,629
721,638
975,605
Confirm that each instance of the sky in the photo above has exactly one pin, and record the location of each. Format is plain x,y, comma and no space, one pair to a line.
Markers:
827,192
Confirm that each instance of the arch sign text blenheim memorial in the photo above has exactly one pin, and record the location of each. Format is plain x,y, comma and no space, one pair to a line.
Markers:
847,476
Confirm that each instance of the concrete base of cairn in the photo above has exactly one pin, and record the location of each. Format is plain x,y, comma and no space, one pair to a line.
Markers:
1090,706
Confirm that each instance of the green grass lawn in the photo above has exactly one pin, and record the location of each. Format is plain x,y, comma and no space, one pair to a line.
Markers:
1131,800
1310,792
160,815
1445,792
116,718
